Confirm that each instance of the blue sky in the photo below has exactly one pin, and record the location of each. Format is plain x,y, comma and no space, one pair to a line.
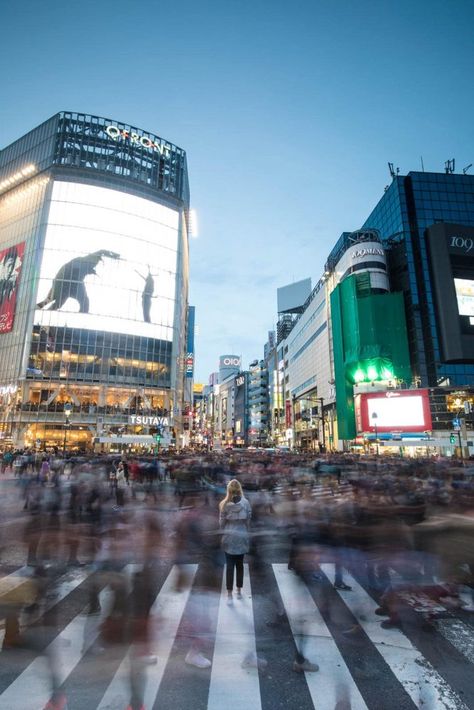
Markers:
288,112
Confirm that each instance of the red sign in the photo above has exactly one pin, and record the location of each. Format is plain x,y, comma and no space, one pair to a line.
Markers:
11,260
393,411
288,416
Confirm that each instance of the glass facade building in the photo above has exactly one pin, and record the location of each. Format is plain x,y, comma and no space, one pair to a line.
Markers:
94,283
409,207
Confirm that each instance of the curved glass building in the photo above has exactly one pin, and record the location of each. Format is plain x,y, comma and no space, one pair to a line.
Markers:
93,285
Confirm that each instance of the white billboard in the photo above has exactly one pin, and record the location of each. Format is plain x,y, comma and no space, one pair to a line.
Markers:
109,262
396,412
465,296
290,299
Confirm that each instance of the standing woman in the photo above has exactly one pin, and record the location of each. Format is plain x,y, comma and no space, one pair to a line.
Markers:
234,518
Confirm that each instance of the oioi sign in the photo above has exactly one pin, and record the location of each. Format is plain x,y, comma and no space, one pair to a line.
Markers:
229,361
117,133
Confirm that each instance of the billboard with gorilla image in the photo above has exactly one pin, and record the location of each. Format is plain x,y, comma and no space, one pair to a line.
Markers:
109,262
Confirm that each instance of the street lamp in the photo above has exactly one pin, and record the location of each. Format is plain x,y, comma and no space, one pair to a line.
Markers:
374,418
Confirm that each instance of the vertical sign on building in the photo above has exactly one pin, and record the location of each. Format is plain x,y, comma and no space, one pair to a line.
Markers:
11,260
190,342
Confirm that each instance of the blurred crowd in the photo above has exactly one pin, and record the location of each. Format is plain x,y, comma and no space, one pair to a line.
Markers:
403,529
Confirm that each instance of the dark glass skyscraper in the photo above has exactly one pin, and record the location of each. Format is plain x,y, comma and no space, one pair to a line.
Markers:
405,218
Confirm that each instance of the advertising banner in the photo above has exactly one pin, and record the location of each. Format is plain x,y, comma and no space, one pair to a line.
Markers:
109,263
190,365
394,411
11,260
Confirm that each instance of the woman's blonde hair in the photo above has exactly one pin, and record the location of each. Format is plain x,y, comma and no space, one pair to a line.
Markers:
233,489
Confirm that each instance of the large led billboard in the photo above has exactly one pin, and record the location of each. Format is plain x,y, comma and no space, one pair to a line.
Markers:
109,262
393,411
465,296
451,253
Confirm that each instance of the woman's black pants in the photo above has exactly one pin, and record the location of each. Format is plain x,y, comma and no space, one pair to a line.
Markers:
236,561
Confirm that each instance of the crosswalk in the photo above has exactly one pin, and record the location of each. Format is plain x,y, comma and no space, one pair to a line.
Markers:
373,669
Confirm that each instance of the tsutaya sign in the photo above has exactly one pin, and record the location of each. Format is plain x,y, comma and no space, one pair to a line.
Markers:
117,133
148,420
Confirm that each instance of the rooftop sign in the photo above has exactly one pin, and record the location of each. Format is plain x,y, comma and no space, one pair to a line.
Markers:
117,133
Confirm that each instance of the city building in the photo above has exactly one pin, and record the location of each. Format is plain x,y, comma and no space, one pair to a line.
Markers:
368,330
241,409
258,404
382,352
426,222
94,285
272,355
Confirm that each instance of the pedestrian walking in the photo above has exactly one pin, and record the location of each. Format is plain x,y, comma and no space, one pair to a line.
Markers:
234,518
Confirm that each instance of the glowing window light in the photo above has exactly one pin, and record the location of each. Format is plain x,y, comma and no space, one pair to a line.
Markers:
17,177
372,373
193,224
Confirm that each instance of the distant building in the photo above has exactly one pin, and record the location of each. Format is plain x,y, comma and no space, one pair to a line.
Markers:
258,401
381,355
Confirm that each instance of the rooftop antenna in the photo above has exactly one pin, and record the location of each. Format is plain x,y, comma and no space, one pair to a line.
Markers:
449,166
465,170
393,171
422,164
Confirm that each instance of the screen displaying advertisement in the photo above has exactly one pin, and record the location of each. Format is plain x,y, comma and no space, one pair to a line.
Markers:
109,262
465,296
395,410
11,260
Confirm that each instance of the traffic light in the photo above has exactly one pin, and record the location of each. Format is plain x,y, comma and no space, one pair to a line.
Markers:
452,438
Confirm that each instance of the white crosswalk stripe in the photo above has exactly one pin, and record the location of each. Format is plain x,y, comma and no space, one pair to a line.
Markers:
15,579
235,642
229,679
421,681
62,588
460,635
168,608
334,682
32,689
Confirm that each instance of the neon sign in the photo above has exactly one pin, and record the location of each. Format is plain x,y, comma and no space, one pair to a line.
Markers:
117,133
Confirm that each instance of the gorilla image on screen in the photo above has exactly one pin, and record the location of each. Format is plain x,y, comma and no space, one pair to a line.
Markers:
69,281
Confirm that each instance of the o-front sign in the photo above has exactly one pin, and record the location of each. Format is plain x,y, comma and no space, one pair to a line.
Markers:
117,133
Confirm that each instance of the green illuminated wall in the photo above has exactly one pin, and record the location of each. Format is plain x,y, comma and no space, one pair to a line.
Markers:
369,342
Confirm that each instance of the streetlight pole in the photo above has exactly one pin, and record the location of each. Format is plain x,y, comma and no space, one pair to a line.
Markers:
321,401
374,417
67,414
66,424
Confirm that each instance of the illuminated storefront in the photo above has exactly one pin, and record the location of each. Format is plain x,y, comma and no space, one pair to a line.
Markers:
98,217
